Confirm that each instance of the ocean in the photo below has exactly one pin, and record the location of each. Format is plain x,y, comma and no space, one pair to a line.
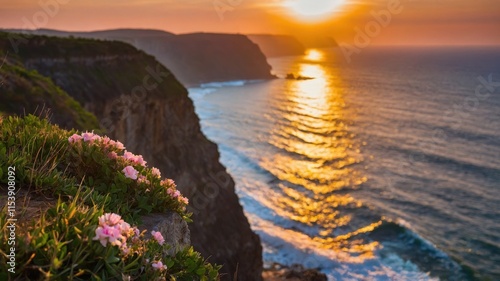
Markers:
384,168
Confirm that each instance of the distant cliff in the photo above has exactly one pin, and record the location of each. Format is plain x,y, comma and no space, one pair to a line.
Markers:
141,103
193,58
278,45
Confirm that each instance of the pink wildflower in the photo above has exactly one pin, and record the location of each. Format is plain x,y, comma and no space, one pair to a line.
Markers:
176,194
112,229
143,179
158,237
110,219
136,231
183,200
105,141
128,155
159,266
134,158
119,145
130,172
170,191
87,136
90,137
112,155
108,234
156,172
139,160
125,250
168,183
74,138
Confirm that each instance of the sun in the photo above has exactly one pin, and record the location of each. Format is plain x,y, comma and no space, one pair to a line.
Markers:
313,10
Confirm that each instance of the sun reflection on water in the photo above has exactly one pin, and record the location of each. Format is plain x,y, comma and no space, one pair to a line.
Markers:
317,161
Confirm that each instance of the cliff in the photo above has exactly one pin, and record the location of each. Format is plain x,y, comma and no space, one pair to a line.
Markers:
142,104
194,58
278,45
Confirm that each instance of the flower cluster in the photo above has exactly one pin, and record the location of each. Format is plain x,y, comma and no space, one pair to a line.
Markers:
131,166
114,230
170,187
90,137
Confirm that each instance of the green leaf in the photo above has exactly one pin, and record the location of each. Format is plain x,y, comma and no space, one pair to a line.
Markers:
200,271
112,259
56,263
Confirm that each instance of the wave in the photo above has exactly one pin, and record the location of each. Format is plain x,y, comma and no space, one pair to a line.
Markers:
197,93
234,83
480,169
208,88
403,255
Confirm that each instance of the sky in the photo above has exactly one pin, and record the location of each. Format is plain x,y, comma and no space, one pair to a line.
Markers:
379,22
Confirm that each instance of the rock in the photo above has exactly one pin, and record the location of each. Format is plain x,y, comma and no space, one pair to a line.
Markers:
291,76
172,227
296,272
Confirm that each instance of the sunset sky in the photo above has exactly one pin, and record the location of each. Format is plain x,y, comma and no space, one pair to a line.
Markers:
416,22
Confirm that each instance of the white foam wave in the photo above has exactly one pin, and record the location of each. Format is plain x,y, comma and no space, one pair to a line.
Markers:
235,83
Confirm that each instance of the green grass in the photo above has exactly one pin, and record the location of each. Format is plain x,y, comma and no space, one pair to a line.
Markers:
88,182
26,91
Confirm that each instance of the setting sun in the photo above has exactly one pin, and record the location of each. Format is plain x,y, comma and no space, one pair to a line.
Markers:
313,11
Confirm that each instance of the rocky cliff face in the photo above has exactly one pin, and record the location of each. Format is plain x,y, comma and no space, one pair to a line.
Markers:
141,103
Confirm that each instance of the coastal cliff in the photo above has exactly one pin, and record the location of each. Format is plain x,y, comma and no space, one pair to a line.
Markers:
194,58
141,103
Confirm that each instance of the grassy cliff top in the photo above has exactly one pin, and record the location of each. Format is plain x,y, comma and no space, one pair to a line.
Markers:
102,191
30,46
27,91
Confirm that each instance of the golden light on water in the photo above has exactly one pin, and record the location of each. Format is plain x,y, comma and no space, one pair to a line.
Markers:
317,159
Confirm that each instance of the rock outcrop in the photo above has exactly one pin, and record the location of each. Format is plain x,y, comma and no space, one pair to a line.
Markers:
278,45
296,272
172,227
141,103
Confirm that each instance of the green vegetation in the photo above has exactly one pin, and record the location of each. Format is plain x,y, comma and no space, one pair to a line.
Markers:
39,46
26,91
92,176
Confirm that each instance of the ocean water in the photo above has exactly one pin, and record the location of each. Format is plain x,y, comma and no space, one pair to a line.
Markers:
385,168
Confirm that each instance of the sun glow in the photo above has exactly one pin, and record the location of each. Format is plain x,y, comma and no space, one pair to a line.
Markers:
313,10
314,55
